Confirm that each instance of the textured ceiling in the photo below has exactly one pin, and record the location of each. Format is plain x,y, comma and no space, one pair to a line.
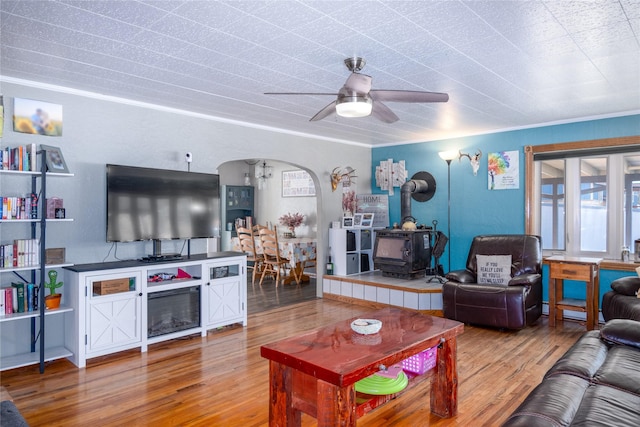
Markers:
504,64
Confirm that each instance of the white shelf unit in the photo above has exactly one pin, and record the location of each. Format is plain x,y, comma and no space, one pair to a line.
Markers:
105,324
42,346
351,250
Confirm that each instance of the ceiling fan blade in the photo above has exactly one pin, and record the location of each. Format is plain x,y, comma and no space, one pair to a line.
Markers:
299,93
408,96
331,108
383,113
359,83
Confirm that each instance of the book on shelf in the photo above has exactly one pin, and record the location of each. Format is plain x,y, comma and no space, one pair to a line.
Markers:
22,253
9,300
7,256
32,304
21,158
14,207
20,297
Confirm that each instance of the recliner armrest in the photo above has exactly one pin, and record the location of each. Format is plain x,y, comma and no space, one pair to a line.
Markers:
461,276
621,331
525,280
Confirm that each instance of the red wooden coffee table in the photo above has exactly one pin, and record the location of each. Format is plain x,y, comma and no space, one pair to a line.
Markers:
315,372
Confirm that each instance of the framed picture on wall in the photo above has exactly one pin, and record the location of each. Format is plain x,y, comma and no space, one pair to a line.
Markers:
37,117
297,183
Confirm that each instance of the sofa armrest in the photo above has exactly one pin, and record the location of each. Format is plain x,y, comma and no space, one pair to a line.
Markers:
626,285
525,280
621,331
461,276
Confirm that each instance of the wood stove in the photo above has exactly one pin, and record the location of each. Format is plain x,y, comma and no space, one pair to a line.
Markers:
404,254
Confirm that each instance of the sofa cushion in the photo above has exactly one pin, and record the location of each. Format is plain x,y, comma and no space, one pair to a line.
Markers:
626,285
618,306
494,269
621,369
554,402
583,359
606,406
622,331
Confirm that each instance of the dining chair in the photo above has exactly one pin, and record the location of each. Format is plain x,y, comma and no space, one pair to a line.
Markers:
255,260
273,262
256,228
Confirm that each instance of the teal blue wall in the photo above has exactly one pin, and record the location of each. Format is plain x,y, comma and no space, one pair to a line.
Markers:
474,208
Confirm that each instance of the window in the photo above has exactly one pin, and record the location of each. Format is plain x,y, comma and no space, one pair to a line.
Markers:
583,198
631,200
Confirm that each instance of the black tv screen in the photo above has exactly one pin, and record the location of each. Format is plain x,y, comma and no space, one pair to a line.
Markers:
158,204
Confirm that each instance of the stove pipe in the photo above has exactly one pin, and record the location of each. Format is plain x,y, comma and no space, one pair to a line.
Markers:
408,188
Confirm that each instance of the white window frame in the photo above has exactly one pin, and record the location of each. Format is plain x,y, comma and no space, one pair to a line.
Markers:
615,190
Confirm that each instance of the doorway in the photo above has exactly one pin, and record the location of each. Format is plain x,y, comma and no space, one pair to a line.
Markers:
266,177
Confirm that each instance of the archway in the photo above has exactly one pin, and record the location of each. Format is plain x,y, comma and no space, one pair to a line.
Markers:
270,201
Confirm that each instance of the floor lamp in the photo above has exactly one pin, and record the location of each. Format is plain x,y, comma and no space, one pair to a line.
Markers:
448,156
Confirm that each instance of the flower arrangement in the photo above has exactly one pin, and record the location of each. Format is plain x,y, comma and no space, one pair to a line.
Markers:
291,220
349,203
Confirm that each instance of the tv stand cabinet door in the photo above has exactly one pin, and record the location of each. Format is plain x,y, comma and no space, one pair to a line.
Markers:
225,295
114,321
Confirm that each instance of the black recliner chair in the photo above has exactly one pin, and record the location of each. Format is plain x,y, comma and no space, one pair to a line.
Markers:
513,304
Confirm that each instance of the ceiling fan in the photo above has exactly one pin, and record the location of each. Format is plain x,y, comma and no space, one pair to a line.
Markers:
357,99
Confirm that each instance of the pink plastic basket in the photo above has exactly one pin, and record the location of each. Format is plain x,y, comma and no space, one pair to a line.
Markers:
421,362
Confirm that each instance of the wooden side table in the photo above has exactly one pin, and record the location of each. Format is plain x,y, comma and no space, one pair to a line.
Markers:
574,268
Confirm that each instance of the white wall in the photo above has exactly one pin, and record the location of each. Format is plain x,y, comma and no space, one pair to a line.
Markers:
98,131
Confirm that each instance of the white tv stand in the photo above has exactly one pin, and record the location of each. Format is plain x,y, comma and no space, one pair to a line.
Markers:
106,323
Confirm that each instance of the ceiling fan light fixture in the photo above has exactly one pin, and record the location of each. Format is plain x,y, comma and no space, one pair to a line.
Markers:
354,106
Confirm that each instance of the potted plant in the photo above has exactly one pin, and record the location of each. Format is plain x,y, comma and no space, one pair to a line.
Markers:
292,221
53,299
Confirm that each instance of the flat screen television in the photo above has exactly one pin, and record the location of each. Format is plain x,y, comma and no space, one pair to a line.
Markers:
158,204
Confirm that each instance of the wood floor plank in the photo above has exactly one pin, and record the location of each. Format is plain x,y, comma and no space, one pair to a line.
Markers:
221,380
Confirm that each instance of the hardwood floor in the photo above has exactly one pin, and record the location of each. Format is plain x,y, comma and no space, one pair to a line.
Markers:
221,380
268,296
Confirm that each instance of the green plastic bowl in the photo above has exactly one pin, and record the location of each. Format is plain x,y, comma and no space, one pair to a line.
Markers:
377,385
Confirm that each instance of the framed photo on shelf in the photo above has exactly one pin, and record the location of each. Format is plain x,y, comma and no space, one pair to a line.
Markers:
357,220
55,160
367,219
347,222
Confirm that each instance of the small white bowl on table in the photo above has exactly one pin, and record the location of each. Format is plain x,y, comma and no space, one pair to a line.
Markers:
366,326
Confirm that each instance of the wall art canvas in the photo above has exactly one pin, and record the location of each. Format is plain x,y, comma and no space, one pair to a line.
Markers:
297,183
377,204
37,117
504,170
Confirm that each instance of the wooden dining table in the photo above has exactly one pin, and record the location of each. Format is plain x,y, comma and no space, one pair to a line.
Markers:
299,251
